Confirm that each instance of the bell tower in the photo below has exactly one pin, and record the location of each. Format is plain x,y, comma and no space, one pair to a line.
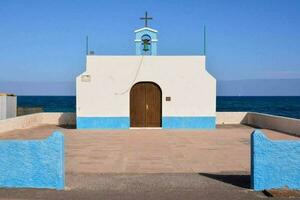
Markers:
146,39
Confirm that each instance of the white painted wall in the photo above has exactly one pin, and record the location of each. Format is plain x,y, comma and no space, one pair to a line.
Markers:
11,104
184,78
37,119
231,117
2,107
278,123
8,106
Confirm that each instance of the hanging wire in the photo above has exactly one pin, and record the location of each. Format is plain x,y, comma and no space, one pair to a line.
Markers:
135,77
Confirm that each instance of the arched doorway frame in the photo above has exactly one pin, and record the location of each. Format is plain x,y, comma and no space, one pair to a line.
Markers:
144,110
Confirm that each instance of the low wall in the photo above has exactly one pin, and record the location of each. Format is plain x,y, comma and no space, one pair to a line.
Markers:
277,123
274,164
231,117
58,118
28,121
259,120
33,163
282,124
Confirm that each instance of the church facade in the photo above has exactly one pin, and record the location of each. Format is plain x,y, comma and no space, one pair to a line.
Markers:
145,90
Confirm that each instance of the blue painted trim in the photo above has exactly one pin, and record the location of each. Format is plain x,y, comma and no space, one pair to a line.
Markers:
33,163
252,158
167,122
189,122
103,122
274,164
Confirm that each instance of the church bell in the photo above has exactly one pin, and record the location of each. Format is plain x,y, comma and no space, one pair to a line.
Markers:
146,45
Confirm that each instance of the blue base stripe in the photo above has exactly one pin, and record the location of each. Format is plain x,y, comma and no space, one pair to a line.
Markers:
167,122
189,122
102,122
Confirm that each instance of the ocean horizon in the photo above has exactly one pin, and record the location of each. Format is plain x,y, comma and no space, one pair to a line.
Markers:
287,106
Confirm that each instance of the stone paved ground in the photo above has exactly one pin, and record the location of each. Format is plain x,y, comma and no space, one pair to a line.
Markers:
150,164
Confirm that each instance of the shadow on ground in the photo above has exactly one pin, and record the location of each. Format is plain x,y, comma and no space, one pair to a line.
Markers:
167,186
242,181
67,126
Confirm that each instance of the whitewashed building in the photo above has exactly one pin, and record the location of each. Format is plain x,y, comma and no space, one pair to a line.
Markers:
145,90
8,106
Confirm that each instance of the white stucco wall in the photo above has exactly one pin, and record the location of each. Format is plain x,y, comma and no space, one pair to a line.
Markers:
37,119
8,106
278,123
183,78
11,103
232,117
2,107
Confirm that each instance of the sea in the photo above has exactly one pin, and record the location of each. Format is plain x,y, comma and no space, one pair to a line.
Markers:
288,106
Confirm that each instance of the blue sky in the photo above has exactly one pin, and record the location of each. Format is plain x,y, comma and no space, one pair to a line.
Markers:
44,41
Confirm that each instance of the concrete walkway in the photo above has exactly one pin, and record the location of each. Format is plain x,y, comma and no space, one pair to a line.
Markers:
163,186
225,149
150,164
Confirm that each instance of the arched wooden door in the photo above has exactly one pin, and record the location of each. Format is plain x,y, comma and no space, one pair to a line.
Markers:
145,105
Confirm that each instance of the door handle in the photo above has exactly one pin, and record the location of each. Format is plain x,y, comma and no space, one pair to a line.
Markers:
147,107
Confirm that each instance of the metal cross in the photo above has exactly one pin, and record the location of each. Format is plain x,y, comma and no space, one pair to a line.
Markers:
146,18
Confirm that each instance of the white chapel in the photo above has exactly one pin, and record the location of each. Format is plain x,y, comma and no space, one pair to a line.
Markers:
146,89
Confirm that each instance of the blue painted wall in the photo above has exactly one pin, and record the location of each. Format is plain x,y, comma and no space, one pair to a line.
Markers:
103,123
167,122
189,122
33,163
274,164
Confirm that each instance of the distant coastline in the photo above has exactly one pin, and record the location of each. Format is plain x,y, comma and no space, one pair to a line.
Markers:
247,87
288,106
